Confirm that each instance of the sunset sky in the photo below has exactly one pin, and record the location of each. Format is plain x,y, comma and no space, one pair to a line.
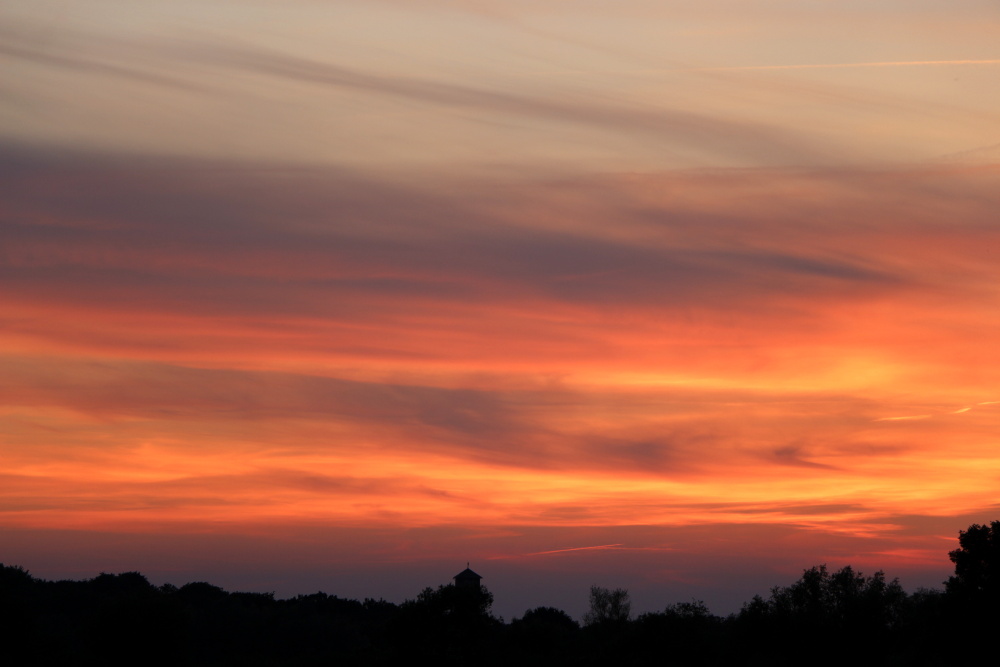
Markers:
678,296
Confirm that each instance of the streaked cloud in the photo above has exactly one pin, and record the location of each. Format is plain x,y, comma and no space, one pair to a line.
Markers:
911,63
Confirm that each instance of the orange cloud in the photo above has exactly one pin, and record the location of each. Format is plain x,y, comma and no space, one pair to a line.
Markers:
740,348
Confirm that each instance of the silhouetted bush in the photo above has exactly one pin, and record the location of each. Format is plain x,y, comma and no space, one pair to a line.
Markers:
823,618
542,635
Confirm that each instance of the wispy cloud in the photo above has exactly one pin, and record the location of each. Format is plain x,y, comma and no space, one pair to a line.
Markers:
598,547
959,411
895,63
206,67
591,548
87,65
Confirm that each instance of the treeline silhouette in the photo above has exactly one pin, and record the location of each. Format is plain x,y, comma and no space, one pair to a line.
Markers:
823,618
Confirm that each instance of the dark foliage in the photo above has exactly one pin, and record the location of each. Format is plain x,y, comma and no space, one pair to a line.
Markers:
608,606
825,618
864,610
449,625
977,564
687,631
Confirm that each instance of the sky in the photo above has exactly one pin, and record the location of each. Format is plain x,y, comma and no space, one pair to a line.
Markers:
681,297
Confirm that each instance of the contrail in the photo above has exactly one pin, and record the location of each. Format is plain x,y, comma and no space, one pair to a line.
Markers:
897,419
950,412
890,63
559,551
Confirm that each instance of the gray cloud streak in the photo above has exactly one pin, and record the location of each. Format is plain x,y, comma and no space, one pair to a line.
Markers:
240,240
663,125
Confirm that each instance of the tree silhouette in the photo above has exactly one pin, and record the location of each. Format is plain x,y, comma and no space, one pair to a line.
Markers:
447,625
825,618
687,631
844,599
608,606
977,564
863,610
543,632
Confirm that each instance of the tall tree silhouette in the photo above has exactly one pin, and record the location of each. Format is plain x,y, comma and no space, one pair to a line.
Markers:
977,563
608,606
